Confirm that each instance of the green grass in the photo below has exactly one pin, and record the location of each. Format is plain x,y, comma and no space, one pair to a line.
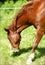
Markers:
28,36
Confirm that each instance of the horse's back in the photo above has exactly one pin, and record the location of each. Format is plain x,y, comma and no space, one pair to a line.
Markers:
41,15
37,13
41,11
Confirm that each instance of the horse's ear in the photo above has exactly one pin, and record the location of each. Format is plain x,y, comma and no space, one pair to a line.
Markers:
7,30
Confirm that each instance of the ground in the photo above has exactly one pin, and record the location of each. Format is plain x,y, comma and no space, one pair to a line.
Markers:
28,36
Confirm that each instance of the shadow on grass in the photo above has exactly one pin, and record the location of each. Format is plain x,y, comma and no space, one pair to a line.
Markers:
40,54
20,52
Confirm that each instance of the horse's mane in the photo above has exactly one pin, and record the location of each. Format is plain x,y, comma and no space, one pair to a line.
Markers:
19,14
23,9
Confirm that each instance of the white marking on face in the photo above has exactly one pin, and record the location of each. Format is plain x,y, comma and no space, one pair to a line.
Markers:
13,35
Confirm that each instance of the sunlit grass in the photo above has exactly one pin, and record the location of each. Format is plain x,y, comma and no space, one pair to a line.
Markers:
9,58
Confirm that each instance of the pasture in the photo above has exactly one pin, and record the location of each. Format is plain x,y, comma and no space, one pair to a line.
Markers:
7,57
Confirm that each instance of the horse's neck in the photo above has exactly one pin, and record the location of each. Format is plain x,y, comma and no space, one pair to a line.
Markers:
12,27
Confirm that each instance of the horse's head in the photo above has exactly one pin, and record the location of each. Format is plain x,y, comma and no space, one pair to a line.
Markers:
14,38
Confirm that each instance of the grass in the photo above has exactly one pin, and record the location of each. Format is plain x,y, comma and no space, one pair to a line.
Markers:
28,36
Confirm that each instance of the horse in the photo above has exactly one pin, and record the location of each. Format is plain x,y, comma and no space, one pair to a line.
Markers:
30,14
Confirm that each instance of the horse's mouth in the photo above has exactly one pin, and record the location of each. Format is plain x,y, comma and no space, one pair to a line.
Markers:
15,50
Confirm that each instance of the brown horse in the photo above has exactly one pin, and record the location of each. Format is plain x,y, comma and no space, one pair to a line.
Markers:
31,14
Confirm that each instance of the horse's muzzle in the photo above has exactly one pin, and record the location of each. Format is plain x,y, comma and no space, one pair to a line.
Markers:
13,49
